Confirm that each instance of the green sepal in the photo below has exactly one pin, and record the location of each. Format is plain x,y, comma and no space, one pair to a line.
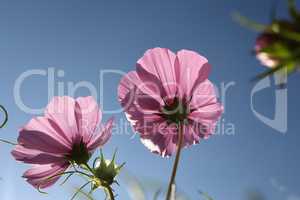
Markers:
248,23
278,50
294,13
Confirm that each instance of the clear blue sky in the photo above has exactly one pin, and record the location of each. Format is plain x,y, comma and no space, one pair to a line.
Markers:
84,37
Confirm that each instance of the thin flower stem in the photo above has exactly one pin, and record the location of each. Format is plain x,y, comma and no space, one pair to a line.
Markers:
80,190
110,192
66,179
89,168
8,142
68,172
176,162
58,175
80,172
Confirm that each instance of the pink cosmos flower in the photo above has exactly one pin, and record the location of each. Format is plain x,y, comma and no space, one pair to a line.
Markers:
68,133
263,41
166,89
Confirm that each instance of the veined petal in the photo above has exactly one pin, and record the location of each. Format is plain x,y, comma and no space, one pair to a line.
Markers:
49,127
157,66
62,111
204,94
207,112
162,139
191,136
190,69
34,156
101,138
203,126
131,86
38,134
37,176
88,116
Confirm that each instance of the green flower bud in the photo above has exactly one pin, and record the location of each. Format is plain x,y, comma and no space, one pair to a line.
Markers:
106,170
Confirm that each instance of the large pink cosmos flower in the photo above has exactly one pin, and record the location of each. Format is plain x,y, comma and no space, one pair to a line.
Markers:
167,89
69,132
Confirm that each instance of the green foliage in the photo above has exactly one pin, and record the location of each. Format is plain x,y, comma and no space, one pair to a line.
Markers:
205,196
285,47
148,189
244,21
295,14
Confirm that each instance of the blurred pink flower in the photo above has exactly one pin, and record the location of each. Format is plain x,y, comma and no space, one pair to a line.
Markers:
265,40
167,89
68,133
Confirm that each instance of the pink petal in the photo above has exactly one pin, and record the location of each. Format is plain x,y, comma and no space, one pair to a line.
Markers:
148,124
206,119
38,134
127,84
34,156
191,136
62,111
204,129
157,66
171,146
88,116
45,125
162,145
146,104
101,138
141,108
206,109
141,118
191,69
208,112
204,94
37,176
162,139
141,112
131,85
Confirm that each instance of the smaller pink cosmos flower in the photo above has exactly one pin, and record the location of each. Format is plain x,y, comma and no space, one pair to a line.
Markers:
263,41
167,89
69,132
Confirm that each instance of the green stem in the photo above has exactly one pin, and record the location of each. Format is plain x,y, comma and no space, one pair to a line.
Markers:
89,168
7,142
176,162
110,192
80,190
106,187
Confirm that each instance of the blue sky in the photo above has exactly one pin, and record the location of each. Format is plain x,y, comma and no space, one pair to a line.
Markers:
83,38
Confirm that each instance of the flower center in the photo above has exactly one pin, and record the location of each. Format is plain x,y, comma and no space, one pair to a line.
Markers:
79,154
175,110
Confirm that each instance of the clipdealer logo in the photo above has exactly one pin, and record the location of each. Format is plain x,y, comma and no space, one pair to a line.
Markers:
56,86
280,119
